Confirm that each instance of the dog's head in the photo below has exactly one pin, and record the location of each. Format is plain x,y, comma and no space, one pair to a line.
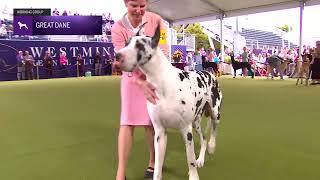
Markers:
138,51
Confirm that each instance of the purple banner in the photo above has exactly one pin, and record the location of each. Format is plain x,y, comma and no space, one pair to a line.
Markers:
57,25
9,50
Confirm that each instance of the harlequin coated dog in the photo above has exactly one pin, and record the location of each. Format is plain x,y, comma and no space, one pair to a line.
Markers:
183,98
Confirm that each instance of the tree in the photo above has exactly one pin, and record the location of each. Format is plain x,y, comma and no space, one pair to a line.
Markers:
285,28
202,40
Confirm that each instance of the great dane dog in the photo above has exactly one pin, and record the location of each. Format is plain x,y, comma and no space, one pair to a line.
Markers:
183,98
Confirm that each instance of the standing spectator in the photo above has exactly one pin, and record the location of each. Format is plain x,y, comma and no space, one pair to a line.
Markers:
21,66
63,64
189,62
97,64
291,59
210,55
29,64
108,62
315,64
80,65
245,59
47,64
198,60
203,54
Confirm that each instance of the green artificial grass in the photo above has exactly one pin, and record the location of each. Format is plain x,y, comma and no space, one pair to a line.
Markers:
67,129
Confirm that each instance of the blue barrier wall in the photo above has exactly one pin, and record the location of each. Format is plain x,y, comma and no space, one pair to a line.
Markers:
9,50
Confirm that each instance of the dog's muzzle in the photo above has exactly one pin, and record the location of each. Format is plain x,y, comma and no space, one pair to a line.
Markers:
118,56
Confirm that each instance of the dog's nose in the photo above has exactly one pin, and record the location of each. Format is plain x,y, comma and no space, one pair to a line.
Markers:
118,56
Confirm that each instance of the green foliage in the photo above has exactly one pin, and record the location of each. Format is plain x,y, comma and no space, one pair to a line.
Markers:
202,39
285,28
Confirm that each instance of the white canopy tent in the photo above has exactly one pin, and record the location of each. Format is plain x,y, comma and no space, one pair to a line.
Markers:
191,11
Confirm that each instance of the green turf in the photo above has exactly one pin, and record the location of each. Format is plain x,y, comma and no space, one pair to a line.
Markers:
67,129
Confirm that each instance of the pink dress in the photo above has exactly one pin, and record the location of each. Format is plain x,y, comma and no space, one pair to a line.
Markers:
133,102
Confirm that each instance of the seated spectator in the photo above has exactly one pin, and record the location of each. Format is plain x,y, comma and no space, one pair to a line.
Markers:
65,13
55,12
104,17
104,37
3,32
109,19
107,28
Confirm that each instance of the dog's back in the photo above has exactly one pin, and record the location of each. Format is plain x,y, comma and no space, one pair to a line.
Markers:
186,98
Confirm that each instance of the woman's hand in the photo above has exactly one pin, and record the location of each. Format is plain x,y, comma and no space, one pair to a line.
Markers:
148,90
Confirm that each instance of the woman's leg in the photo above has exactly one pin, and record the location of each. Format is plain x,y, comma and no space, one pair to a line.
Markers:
150,141
125,140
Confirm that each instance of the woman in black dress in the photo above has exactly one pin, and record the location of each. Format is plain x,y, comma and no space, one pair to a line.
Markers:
315,64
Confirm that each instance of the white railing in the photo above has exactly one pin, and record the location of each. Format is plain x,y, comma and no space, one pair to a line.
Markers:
213,31
189,40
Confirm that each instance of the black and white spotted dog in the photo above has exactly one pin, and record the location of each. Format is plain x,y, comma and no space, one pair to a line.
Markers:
183,98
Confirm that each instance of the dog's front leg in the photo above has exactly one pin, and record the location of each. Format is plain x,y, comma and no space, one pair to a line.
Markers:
191,157
160,143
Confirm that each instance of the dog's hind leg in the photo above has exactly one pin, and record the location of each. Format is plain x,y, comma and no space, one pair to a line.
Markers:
191,157
215,119
160,141
197,127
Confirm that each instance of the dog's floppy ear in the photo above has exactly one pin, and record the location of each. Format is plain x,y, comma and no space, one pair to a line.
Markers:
141,30
156,37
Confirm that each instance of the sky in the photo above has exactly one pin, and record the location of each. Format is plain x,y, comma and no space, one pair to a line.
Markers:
264,21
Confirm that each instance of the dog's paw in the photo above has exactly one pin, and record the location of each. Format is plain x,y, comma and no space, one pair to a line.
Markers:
200,162
193,175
